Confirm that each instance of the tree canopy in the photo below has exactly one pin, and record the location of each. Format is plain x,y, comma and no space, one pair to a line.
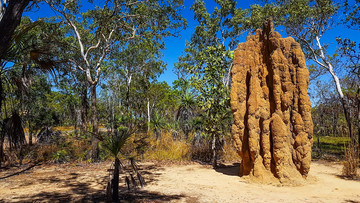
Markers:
100,64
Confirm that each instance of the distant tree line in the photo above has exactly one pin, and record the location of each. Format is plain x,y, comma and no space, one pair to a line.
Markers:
98,63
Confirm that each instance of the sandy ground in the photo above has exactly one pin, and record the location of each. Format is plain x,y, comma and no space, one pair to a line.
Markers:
171,183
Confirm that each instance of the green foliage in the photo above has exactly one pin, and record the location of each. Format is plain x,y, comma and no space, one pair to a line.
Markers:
352,14
60,156
302,19
115,141
113,25
350,51
331,145
208,59
157,124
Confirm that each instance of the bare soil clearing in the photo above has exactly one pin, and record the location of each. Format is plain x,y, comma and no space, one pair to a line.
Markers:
171,183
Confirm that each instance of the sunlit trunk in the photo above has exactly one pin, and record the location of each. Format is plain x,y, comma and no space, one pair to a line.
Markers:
95,140
336,79
214,152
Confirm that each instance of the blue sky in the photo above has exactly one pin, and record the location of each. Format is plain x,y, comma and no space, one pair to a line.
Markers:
176,46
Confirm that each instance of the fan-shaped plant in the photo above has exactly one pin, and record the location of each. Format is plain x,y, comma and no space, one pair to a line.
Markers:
12,130
113,143
158,123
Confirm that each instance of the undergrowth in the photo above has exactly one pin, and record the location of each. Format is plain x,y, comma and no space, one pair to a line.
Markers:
325,147
141,146
351,162
166,148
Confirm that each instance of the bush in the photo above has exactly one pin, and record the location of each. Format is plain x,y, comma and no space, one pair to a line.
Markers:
60,156
351,162
167,148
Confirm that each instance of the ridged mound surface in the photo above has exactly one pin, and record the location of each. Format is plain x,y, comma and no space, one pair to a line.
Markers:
273,129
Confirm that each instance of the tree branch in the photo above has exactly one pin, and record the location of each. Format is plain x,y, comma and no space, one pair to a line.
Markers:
69,22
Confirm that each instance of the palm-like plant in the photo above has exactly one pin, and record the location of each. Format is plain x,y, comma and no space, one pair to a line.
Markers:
31,48
186,112
12,130
158,123
113,144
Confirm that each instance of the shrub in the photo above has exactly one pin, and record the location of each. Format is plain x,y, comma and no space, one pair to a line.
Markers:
60,156
166,148
351,162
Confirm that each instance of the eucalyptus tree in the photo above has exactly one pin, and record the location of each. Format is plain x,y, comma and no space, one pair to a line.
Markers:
161,106
307,21
109,27
130,76
350,50
141,63
208,59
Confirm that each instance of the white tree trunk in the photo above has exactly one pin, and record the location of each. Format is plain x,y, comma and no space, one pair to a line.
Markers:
328,66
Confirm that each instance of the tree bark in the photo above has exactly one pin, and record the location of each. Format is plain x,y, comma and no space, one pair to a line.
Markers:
2,96
348,120
128,83
84,109
95,140
9,22
336,79
30,138
115,181
214,152
1,148
358,103
148,114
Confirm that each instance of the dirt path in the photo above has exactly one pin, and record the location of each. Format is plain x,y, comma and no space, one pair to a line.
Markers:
173,183
207,185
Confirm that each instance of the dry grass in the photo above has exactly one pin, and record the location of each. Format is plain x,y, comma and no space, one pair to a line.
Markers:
140,145
351,163
64,128
229,153
167,148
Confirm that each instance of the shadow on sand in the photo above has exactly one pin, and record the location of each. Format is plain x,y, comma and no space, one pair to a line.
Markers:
19,172
71,187
230,170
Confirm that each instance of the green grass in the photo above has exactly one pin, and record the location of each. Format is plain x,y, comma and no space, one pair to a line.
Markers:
331,145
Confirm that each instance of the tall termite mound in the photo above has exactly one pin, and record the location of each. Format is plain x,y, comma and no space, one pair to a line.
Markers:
273,129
